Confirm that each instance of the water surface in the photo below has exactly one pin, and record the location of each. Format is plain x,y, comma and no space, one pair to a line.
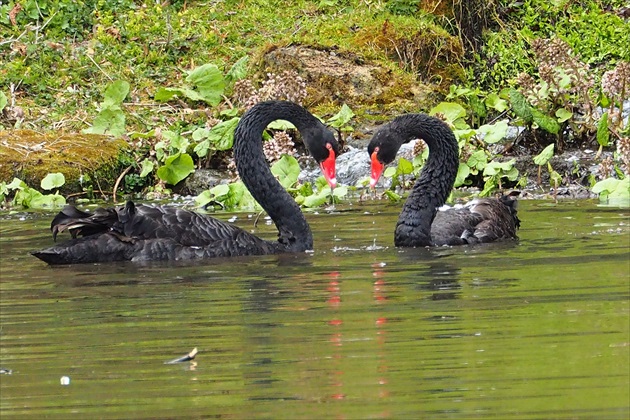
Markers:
537,328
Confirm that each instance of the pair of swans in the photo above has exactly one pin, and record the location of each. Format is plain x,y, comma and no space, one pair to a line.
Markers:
140,232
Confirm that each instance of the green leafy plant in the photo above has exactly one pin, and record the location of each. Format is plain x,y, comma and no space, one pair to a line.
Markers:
27,197
614,191
341,119
207,84
397,174
111,118
493,174
475,140
287,170
3,101
218,138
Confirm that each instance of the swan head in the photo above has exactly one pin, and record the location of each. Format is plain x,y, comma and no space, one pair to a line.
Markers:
324,147
382,150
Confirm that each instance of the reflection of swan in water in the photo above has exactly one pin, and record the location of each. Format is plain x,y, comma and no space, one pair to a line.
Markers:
140,232
481,220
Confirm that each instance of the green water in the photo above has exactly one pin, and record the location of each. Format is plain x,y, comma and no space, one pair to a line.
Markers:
358,329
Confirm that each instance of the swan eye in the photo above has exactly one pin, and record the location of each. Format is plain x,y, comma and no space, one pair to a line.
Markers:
328,146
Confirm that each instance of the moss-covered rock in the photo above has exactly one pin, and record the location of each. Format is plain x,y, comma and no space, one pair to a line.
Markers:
86,160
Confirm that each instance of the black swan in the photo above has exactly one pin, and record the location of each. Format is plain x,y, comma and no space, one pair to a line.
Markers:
420,223
139,232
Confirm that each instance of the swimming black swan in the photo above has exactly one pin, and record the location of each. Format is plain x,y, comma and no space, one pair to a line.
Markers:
140,232
481,220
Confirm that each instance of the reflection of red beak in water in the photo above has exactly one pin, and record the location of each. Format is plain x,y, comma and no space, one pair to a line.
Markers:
328,167
377,168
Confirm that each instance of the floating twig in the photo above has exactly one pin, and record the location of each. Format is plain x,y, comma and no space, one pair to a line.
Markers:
186,358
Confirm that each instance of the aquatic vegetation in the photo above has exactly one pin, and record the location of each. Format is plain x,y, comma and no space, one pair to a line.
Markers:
542,159
27,197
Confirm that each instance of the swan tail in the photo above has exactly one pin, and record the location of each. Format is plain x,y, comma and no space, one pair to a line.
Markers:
90,249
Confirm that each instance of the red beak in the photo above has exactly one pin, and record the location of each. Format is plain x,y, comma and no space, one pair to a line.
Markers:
377,168
328,167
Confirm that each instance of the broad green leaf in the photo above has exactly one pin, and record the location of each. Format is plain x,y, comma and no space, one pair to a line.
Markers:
478,160
316,200
614,190
238,71
115,93
16,184
452,111
603,135
390,172
177,143
234,196
563,115
392,196
54,180
494,132
229,195
462,173
281,125
200,133
209,82
404,167
555,179
341,118
340,192
204,198
220,191
609,185
521,107
222,135
286,170
147,167
3,101
306,189
494,167
456,91
24,196
546,122
511,174
321,183
165,94
494,101
47,201
147,135
605,101
108,121
176,168
201,149
544,156
418,161
229,112
464,134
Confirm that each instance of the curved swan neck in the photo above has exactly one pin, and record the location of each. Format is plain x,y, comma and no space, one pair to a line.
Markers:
435,182
294,234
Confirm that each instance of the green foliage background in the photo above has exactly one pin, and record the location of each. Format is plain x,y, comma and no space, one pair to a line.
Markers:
107,67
